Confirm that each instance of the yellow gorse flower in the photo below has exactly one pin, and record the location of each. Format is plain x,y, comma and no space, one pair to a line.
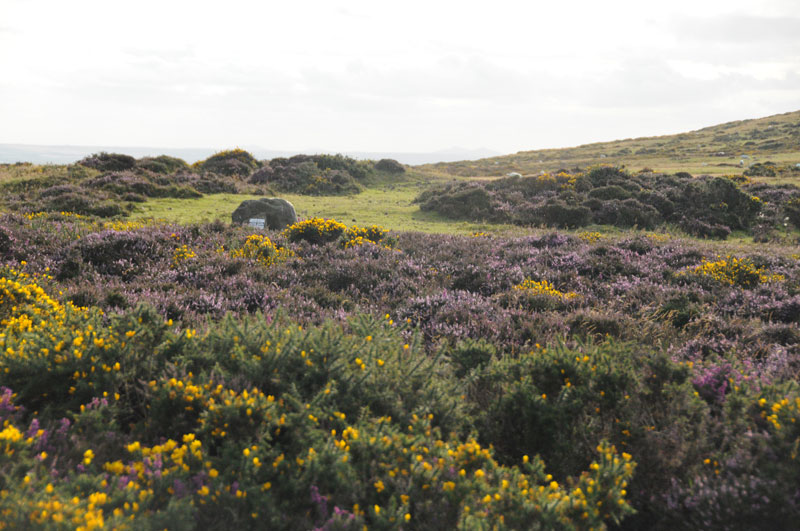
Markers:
543,288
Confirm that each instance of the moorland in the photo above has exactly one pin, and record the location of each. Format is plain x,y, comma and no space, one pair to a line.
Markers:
597,337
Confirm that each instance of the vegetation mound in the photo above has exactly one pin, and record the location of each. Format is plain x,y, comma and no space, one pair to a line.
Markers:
315,174
231,163
708,207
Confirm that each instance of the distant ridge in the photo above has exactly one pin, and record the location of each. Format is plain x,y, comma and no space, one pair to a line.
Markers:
66,154
713,149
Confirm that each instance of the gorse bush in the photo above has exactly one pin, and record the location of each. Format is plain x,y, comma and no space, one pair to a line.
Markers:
735,272
543,287
315,231
255,424
665,363
261,249
319,231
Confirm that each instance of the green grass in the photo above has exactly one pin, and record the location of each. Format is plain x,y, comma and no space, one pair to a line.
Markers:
774,138
390,207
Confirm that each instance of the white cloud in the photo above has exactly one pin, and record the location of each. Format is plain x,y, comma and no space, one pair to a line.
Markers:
360,75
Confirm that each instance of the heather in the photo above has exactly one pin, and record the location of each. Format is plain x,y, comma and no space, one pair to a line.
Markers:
706,207
331,376
112,185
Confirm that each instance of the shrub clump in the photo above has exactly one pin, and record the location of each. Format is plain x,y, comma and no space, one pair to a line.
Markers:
315,231
389,166
703,206
314,174
261,249
543,287
735,271
232,163
163,164
108,161
355,236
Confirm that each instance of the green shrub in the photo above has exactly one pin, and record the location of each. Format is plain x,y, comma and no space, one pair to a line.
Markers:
558,214
389,166
234,162
108,162
610,192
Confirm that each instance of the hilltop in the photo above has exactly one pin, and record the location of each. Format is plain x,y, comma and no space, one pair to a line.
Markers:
718,149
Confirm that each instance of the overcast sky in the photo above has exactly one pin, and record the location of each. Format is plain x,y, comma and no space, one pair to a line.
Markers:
389,76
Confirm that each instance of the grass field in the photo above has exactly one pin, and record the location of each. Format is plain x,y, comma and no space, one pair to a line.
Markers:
390,207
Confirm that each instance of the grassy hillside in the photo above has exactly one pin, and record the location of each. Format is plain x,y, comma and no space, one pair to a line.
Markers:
711,150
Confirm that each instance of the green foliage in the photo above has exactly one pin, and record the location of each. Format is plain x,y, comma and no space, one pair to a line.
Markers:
108,162
257,423
389,166
163,164
233,163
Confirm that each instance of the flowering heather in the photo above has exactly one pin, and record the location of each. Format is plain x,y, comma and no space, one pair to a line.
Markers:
420,381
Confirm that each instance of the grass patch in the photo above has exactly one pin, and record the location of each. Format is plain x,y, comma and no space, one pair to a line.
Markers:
389,206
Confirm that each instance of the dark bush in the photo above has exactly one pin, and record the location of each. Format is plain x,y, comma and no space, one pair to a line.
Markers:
121,253
7,243
613,197
231,163
389,166
163,164
108,161
211,184
263,175
610,192
464,203
792,210
633,213
314,174
759,169
702,229
471,354
558,214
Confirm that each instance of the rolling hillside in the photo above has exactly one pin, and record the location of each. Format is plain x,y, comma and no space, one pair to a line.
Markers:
719,149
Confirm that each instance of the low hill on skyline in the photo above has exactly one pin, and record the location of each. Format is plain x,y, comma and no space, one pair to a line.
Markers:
724,148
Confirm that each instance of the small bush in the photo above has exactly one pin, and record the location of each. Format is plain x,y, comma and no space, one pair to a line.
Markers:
558,214
261,249
108,162
735,271
389,166
315,231
163,164
232,163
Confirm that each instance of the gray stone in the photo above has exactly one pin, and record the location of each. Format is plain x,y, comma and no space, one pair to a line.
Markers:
277,213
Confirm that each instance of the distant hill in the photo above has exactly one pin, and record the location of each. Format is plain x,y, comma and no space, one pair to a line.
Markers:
724,148
42,154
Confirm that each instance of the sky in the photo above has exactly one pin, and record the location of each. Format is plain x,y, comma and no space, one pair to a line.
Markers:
413,76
